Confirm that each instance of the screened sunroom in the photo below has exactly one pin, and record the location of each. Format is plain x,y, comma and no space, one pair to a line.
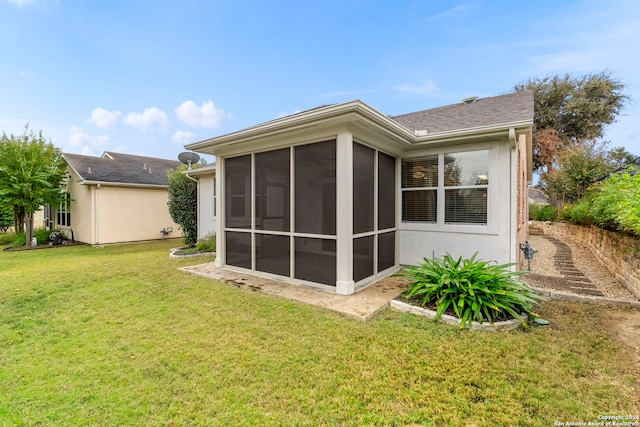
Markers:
305,214
341,196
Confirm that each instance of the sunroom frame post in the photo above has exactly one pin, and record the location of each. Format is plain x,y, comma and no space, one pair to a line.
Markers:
344,214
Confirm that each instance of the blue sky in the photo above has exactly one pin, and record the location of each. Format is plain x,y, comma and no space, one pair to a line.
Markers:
146,77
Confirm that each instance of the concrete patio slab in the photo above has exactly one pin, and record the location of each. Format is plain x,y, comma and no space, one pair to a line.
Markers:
362,305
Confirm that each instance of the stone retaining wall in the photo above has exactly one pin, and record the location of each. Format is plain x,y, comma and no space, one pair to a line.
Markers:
618,253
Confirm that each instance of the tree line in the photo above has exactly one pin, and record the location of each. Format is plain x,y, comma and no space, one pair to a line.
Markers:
571,116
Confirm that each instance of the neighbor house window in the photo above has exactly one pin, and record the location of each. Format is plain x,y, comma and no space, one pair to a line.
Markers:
449,188
64,211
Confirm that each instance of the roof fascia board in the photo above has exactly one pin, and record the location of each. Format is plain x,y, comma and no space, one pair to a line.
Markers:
339,113
199,171
122,184
480,132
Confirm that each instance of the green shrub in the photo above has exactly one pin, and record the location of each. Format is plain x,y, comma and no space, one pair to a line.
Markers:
19,239
617,205
183,204
613,204
42,235
475,290
6,238
207,243
578,213
540,212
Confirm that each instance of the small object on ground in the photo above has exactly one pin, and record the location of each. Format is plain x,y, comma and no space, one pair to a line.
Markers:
539,321
56,238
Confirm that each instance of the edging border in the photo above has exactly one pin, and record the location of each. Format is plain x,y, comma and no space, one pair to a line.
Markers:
587,299
172,254
504,326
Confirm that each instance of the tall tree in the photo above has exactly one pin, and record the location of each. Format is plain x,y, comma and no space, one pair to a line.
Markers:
578,168
31,174
570,110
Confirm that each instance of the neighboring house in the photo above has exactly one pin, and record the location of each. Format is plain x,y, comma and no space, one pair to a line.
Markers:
340,196
116,198
537,196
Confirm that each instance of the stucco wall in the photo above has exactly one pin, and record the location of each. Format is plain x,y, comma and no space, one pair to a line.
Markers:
81,210
493,242
618,253
109,214
132,214
207,221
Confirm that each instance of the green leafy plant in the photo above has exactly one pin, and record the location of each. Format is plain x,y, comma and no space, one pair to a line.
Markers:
207,243
6,238
613,204
617,205
541,212
42,235
183,204
474,290
19,239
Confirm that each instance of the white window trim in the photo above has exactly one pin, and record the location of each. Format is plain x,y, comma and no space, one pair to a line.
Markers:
492,226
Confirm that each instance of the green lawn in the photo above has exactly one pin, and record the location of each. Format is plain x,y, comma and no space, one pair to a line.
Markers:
118,336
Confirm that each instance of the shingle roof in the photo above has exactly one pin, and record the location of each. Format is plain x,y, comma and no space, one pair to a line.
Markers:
537,195
511,108
121,168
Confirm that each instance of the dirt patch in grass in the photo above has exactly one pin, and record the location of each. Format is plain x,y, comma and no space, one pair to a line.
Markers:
625,323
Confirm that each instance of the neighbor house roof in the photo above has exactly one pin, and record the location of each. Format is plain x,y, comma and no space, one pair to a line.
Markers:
471,113
122,169
538,196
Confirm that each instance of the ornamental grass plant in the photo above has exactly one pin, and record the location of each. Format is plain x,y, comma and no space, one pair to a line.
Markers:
472,289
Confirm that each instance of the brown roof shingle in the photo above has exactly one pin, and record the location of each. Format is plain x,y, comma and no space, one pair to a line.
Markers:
121,168
495,110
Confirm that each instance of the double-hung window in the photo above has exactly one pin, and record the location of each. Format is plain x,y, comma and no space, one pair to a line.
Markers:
448,188
64,211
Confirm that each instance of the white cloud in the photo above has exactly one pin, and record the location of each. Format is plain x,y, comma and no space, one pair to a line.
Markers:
147,118
424,88
104,119
206,116
89,145
25,73
182,137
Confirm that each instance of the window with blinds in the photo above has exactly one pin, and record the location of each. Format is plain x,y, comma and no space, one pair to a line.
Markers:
419,179
458,180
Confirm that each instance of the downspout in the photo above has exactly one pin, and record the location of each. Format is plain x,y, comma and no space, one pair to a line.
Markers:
513,208
97,214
